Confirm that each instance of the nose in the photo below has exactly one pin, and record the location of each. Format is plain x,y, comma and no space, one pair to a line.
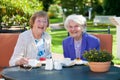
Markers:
72,28
41,23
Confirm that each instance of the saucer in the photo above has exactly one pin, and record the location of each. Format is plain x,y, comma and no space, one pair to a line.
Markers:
33,63
80,62
69,64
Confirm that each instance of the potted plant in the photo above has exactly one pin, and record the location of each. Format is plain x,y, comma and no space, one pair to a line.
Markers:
99,61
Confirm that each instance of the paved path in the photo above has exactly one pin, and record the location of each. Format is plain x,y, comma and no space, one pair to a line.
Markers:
56,26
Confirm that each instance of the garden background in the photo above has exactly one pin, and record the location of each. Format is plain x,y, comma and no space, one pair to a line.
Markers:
18,12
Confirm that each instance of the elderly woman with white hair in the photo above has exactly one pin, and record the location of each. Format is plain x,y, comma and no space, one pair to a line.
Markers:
79,40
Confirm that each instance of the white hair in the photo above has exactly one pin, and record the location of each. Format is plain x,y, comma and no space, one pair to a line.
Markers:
80,19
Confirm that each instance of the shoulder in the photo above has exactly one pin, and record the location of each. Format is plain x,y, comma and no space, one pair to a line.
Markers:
26,34
68,39
90,36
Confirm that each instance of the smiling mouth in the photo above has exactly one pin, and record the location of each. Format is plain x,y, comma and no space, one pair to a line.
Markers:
74,32
41,27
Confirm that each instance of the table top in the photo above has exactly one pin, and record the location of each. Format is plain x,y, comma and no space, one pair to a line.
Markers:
69,73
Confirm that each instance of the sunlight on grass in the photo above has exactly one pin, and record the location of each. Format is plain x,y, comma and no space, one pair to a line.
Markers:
56,20
116,61
57,49
57,38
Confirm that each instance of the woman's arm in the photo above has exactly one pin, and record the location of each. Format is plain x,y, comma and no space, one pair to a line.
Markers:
18,52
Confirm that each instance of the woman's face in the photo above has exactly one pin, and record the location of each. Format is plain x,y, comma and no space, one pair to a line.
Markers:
74,30
40,25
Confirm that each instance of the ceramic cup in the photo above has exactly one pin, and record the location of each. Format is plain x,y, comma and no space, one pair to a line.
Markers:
2,79
57,65
66,61
49,64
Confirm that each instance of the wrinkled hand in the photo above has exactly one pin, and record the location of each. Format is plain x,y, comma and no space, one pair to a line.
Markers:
22,61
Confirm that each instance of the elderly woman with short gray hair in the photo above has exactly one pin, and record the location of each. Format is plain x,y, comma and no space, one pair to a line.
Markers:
79,40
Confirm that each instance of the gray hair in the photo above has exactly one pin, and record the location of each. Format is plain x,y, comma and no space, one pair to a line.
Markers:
80,19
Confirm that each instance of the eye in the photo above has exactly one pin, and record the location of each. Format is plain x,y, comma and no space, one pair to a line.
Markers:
76,26
38,21
42,21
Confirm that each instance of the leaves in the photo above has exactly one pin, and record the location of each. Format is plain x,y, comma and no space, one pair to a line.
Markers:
18,11
97,56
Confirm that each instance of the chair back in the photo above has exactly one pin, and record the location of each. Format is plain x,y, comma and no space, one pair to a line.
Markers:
106,41
7,44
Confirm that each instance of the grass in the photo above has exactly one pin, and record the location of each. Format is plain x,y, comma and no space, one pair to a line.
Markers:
56,20
59,35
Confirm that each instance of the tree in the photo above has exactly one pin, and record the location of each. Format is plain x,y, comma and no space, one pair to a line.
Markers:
97,7
81,6
18,11
112,7
46,4
72,6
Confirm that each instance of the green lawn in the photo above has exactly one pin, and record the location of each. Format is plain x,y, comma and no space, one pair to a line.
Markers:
56,20
59,35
